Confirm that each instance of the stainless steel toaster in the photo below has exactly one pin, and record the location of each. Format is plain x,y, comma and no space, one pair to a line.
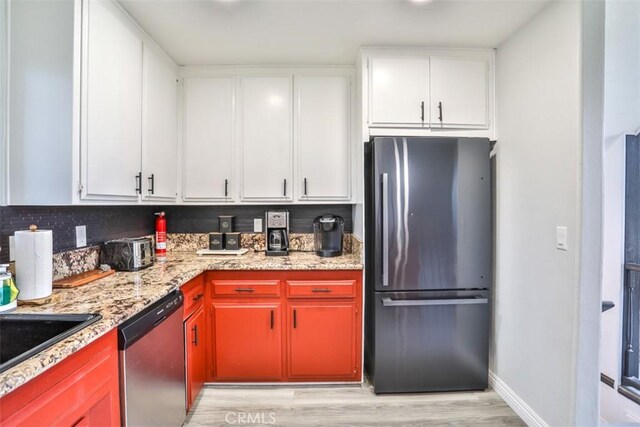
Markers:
128,254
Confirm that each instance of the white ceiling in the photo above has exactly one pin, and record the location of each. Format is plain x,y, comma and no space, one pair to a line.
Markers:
213,32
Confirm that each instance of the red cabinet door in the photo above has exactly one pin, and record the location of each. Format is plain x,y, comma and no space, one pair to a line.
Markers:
322,340
80,391
195,344
247,341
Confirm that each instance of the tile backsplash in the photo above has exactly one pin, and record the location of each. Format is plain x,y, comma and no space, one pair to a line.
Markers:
110,222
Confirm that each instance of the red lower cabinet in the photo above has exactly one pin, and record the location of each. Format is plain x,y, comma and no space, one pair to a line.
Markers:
80,391
247,343
274,326
322,341
194,332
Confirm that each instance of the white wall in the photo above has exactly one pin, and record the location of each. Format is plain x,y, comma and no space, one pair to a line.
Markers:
3,99
622,116
538,298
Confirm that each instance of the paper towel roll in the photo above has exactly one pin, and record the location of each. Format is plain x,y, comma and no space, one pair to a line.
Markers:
34,263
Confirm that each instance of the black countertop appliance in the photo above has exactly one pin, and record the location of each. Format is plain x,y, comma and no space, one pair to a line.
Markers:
327,231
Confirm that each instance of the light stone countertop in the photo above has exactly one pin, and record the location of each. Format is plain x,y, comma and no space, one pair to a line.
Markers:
122,295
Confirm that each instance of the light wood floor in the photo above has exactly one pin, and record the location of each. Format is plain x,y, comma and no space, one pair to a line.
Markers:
346,406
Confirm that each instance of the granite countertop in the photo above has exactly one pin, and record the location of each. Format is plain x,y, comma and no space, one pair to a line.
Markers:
122,295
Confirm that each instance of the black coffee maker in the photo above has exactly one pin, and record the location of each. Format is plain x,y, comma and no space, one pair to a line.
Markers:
327,231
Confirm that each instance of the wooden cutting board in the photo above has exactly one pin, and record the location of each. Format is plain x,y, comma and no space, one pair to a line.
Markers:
81,279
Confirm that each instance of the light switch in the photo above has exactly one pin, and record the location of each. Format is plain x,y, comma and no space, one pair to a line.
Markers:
561,239
257,225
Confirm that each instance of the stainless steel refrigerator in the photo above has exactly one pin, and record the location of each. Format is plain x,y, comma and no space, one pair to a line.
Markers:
428,263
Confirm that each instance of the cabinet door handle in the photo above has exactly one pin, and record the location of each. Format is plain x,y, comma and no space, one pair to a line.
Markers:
285,187
320,290
197,297
81,422
305,186
152,180
195,335
226,188
295,319
422,111
139,183
245,290
440,111
271,319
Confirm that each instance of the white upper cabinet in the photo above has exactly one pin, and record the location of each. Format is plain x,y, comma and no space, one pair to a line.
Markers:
209,123
159,128
459,93
266,139
398,91
112,107
323,129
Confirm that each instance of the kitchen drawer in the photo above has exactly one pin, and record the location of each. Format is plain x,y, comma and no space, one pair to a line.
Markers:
321,288
245,288
193,292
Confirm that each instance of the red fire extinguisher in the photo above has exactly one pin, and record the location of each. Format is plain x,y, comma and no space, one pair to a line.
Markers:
161,237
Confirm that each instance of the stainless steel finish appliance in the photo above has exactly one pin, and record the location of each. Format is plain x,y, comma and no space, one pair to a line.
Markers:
128,254
327,235
152,365
428,263
277,233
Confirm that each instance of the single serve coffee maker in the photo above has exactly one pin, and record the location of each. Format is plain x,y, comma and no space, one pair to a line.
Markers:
277,233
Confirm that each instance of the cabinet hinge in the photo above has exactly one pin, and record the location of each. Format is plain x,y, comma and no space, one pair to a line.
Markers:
80,187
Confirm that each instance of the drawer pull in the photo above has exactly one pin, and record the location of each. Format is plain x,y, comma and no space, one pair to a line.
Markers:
321,290
245,290
197,297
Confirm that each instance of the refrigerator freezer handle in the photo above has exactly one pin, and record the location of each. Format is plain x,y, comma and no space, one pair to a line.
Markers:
385,229
388,302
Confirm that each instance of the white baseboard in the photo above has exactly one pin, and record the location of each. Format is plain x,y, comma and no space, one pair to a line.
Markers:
518,405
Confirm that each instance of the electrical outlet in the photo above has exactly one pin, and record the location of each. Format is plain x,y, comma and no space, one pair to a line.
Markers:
81,236
12,248
257,225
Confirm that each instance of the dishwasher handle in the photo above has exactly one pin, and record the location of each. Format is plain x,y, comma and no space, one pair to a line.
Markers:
388,302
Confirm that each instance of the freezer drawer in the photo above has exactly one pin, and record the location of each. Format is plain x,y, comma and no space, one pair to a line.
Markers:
427,343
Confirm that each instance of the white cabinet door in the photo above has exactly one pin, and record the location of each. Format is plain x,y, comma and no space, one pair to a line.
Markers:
459,93
398,91
159,128
266,139
112,105
209,139
323,131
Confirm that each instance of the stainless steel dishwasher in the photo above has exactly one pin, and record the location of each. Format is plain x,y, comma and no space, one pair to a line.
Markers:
152,366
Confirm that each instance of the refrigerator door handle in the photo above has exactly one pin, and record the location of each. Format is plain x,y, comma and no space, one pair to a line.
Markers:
388,302
385,229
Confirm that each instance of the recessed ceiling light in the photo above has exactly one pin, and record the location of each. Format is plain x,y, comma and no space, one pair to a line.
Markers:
420,1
